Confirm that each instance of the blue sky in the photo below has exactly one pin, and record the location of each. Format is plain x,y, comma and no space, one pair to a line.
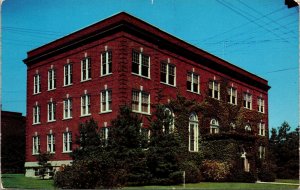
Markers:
260,36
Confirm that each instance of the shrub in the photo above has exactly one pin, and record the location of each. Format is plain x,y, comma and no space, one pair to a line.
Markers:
213,170
266,173
192,172
242,176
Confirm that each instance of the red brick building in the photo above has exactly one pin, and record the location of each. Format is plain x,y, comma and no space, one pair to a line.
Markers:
119,60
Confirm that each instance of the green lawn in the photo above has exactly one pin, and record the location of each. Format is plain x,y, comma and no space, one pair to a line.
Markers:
22,182
207,185
296,181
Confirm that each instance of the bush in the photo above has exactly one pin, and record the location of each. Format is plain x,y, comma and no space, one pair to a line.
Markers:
242,176
266,173
213,170
192,172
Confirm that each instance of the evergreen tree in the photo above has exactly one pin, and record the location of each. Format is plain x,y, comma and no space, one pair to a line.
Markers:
43,159
164,154
284,147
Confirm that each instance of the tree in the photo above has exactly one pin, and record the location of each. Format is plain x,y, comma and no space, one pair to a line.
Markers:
284,147
165,149
43,159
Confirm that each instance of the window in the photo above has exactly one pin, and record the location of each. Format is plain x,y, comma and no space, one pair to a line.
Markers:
167,74
232,96
106,101
51,79
145,133
68,72
248,128
85,105
51,111
214,126
262,152
36,114
36,84
193,133
36,145
169,121
51,143
68,108
106,63
86,69
260,105
67,140
261,129
232,126
192,82
214,89
140,102
247,101
104,135
141,64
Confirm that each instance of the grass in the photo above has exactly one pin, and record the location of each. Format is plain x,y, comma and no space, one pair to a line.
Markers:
21,182
207,185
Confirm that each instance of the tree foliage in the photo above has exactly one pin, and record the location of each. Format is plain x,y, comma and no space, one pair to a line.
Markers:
284,145
43,159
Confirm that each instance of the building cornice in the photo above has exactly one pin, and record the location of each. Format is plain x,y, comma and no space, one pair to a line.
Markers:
132,25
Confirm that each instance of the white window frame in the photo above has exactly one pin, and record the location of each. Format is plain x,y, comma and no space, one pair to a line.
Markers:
67,142
86,69
51,143
36,114
172,122
51,108
51,79
107,62
68,74
213,83
167,73
141,54
140,94
261,129
197,91
214,126
36,145
248,128
85,105
247,98
106,101
37,84
261,105
67,112
193,121
232,92
262,151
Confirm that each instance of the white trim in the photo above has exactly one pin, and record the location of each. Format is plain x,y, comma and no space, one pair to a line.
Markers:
106,101
193,120
85,105
140,99
140,65
68,74
86,68
213,89
36,83
192,83
51,79
67,105
107,54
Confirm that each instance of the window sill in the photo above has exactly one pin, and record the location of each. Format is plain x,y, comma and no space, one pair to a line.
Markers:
36,123
51,152
103,112
174,86
67,85
231,103
36,93
86,115
106,75
194,92
247,108
66,152
51,89
193,150
141,76
34,154
67,118
86,80
141,112
51,121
